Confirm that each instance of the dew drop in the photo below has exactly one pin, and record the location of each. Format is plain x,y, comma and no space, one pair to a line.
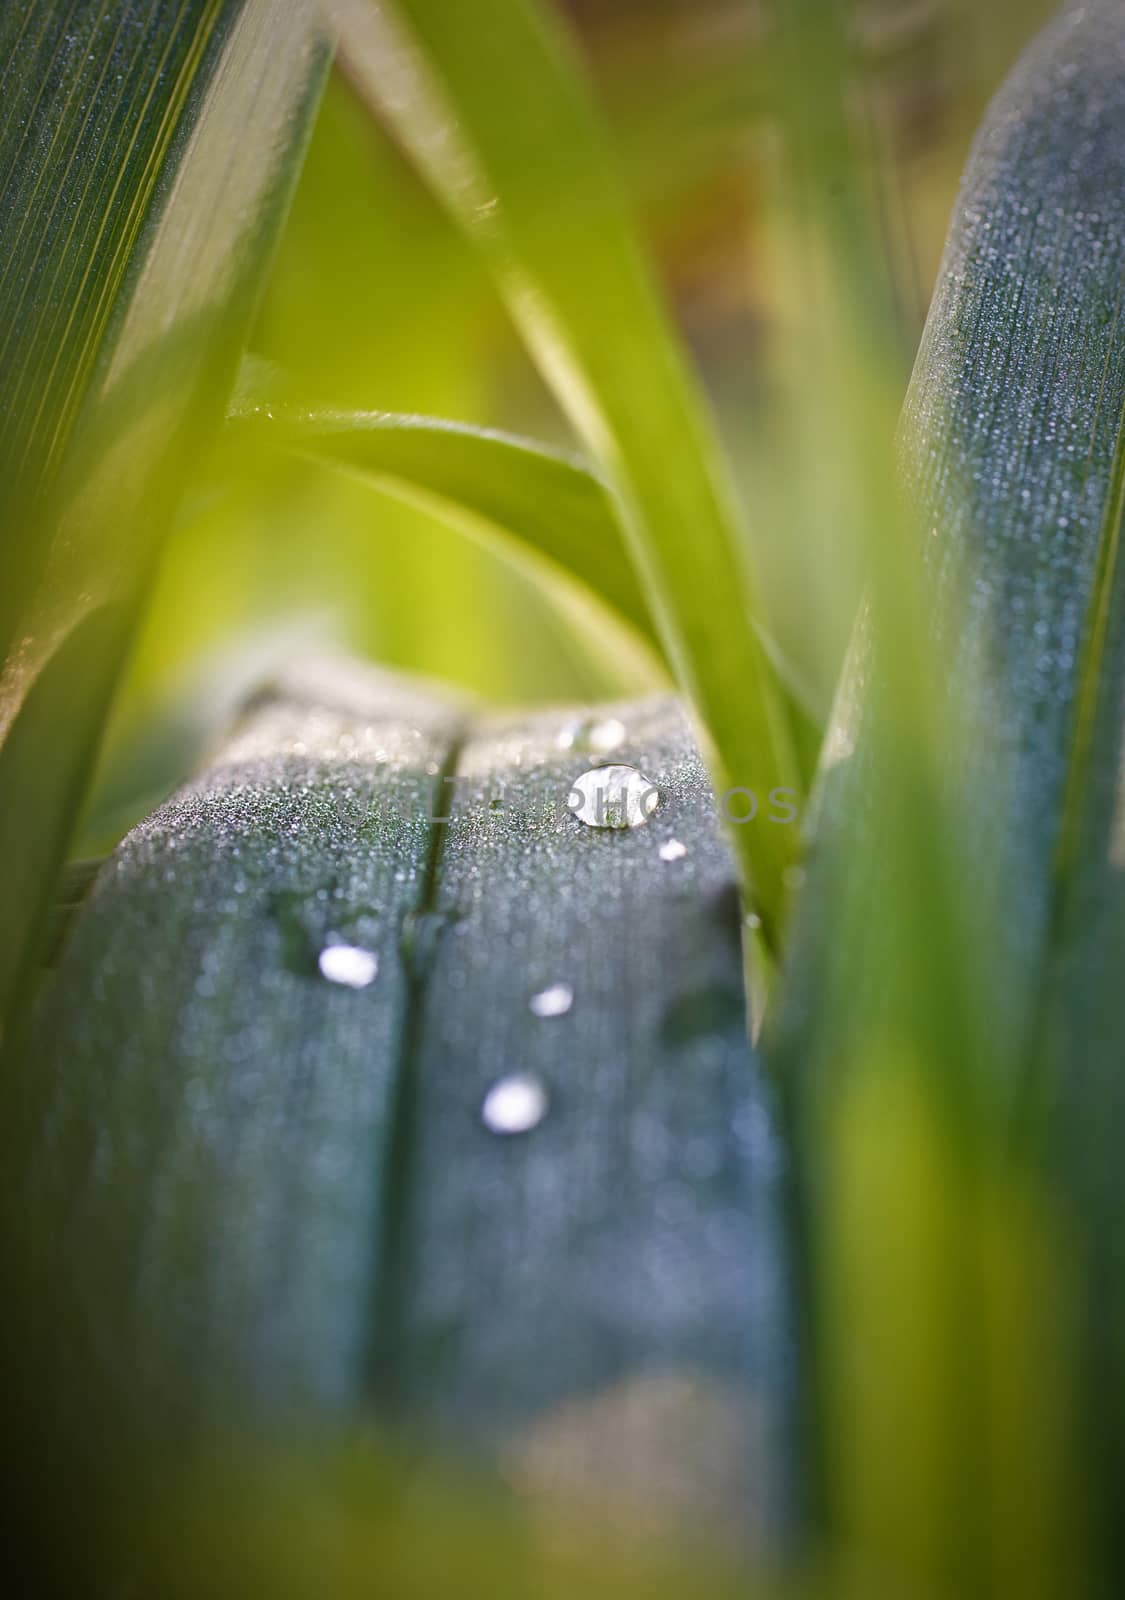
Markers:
515,1104
613,797
553,1002
348,964
596,736
672,850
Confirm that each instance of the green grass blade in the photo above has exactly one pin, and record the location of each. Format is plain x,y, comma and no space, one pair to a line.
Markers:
488,104
146,154
514,491
834,416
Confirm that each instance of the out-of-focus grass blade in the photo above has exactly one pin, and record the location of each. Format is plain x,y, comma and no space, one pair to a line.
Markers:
494,484
940,1241
146,153
487,102
835,411
335,1521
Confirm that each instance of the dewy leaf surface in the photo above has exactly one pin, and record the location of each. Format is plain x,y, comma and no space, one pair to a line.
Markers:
272,1195
602,1299
146,154
207,1168
1011,452
489,105
1078,1094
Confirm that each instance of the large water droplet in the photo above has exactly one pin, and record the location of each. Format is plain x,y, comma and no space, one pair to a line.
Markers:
515,1104
672,850
613,797
348,964
553,1002
596,736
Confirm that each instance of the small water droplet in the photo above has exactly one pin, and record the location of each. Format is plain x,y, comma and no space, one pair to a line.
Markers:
672,850
553,1002
596,736
515,1104
348,964
613,797
753,921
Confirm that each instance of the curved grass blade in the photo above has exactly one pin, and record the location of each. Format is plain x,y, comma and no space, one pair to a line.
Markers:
511,492
146,156
486,101
524,494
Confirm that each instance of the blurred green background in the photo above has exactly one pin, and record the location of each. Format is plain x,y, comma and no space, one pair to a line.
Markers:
377,303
